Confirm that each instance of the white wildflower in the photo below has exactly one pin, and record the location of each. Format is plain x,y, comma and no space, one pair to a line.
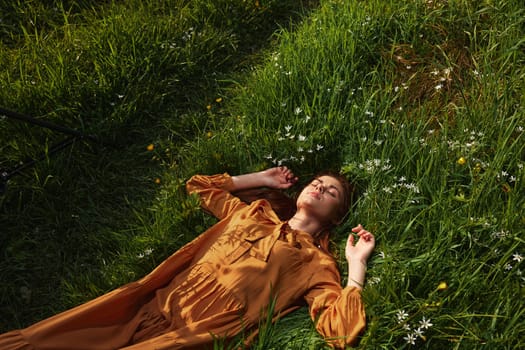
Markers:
425,323
410,339
401,315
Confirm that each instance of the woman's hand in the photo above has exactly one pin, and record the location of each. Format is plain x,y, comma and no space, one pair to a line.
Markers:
361,250
279,177
357,255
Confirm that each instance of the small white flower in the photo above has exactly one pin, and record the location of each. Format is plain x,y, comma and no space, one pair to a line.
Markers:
410,339
307,118
298,110
319,147
425,323
508,267
418,332
517,257
438,87
302,138
401,315
288,128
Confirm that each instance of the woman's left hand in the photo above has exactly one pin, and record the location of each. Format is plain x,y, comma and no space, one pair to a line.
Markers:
364,246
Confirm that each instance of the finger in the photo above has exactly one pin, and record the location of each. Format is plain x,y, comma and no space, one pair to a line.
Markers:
357,228
368,237
362,232
350,240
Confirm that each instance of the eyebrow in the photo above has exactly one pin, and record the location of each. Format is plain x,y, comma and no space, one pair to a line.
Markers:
331,186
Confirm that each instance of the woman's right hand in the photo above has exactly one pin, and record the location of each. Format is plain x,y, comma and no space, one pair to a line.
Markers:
279,177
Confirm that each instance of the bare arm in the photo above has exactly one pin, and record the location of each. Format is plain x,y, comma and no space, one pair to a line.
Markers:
357,255
278,178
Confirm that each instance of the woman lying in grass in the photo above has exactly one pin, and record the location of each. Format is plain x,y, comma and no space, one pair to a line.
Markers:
222,283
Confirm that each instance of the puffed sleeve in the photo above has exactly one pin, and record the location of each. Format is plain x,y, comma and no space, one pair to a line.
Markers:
214,193
338,313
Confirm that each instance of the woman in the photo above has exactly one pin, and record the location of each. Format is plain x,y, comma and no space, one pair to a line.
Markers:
223,282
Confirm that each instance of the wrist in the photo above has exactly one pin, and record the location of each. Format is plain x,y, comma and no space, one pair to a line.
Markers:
357,261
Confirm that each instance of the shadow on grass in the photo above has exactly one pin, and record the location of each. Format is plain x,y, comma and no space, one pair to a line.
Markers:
66,219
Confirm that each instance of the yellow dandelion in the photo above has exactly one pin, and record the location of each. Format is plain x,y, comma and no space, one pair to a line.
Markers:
218,99
157,181
442,286
209,134
461,161
208,107
150,147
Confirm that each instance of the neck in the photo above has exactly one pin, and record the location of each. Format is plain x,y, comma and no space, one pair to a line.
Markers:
303,222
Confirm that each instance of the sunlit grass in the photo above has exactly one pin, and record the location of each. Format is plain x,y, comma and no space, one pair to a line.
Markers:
419,103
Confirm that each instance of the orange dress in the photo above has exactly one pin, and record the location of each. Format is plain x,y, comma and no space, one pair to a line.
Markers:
218,285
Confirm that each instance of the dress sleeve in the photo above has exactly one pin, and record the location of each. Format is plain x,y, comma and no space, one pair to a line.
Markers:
338,313
214,194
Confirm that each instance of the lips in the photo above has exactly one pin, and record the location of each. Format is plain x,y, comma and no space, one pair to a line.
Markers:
314,194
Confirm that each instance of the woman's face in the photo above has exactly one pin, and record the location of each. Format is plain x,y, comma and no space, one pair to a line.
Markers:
321,198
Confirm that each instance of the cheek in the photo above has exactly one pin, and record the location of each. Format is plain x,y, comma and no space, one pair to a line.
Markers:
333,208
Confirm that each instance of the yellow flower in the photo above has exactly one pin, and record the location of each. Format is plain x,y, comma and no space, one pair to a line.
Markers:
218,99
209,134
150,147
208,107
461,161
442,286
157,181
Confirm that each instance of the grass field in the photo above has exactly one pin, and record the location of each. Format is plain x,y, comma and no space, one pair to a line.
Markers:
420,103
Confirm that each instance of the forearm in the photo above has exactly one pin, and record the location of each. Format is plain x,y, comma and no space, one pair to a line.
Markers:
250,180
356,273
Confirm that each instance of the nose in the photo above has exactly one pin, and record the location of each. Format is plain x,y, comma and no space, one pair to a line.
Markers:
320,187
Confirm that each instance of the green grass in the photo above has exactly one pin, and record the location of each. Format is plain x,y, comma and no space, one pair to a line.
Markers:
421,103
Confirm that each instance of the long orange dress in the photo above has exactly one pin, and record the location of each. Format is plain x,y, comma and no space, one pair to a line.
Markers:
216,286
